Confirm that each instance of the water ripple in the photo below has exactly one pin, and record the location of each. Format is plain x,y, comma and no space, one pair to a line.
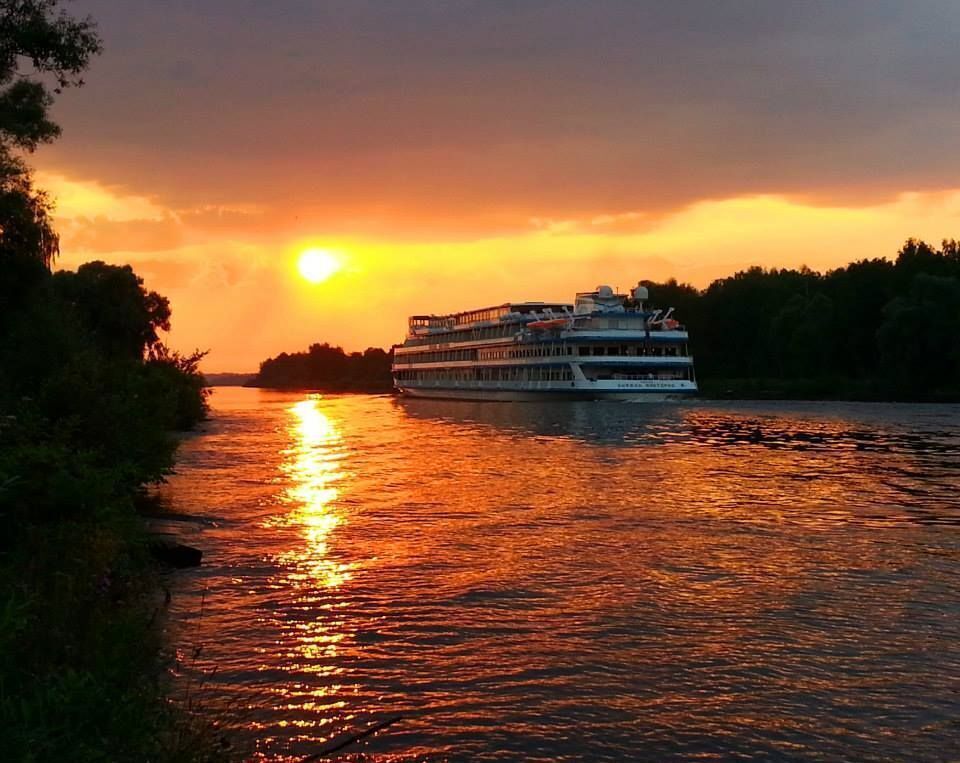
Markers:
572,581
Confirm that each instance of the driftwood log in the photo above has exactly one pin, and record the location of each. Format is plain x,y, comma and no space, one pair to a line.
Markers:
173,554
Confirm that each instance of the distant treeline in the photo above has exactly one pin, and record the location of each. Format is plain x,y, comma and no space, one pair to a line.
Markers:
328,368
874,329
227,379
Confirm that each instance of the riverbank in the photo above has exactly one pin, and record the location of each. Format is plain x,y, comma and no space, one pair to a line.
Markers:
90,400
327,368
84,664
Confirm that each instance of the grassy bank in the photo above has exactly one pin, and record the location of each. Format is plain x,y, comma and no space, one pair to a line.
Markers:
82,665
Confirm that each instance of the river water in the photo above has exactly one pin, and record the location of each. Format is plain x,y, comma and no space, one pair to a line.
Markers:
573,581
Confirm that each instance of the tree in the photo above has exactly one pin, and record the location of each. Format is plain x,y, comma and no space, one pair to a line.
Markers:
917,257
803,335
323,366
733,336
57,47
859,292
920,336
110,301
28,242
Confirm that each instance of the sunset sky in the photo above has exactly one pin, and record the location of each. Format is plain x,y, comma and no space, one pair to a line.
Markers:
456,154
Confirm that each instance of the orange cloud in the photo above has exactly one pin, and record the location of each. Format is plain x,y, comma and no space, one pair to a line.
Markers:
231,272
100,234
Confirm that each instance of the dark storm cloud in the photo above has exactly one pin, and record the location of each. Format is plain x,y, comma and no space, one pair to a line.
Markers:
430,114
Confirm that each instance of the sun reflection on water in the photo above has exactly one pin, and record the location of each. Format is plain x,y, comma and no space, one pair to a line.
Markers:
313,465
315,636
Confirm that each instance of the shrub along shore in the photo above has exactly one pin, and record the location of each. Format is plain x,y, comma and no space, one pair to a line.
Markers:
90,400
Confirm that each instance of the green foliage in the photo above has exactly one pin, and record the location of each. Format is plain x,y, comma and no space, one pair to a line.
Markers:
28,243
920,335
57,47
90,391
328,368
876,329
117,311
88,400
179,378
801,335
55,44
79,673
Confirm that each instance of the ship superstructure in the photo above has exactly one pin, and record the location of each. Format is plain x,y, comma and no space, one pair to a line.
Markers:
604,345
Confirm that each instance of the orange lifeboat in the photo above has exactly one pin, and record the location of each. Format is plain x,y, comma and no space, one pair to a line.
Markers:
555,323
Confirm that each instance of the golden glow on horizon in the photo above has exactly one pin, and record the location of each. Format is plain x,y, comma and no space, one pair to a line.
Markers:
232,293
89,199
318,265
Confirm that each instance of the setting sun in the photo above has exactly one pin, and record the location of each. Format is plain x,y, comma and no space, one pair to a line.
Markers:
317,265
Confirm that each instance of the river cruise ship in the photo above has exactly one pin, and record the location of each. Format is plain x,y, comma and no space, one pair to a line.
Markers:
604,346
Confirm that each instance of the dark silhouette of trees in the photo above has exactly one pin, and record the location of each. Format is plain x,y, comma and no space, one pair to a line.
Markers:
57,48
920,334
89,399
875,328
330,368
114,306
28,242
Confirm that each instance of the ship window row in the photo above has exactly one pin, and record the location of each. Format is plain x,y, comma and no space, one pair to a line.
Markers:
490,314
467,335
508,373
526,373
442,356
550,350
527,351
679,374
634,350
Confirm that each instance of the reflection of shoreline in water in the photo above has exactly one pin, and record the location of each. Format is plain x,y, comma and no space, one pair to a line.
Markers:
601,422
798,427
759,440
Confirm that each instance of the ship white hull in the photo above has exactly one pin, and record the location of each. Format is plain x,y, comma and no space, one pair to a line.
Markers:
600,348
649,394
